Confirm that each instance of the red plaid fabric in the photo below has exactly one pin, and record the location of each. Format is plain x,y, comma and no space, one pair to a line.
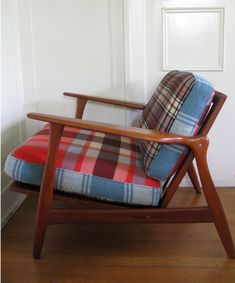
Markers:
93,153
163,107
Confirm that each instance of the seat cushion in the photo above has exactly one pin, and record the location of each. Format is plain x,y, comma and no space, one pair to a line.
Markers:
178,106
89,163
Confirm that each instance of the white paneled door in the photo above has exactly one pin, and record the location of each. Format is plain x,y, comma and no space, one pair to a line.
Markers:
197,36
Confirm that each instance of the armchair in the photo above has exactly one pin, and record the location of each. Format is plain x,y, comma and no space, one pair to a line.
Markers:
124,174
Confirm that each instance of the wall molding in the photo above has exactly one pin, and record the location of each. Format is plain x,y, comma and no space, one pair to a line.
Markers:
134,45
218,64
225,183
116,48
135,49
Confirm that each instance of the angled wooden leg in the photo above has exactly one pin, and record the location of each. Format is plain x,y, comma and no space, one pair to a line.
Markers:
194,178
46,190
213,200
176,180
39,234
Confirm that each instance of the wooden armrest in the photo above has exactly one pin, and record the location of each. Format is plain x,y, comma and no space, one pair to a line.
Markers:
132,132
123,103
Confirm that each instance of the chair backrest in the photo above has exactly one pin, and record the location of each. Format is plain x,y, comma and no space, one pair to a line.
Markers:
179,105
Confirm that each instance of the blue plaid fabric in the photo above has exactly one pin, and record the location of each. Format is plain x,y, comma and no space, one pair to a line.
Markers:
107,167
165,159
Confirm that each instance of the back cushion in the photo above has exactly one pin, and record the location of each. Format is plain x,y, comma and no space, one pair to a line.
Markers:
178,106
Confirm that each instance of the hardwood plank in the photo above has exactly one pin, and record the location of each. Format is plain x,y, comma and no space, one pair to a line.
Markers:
100,252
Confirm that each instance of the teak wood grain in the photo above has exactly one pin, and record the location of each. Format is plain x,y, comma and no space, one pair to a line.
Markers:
197,145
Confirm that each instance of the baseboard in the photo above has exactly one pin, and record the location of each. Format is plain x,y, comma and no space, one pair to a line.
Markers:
218,182
224,182
10,202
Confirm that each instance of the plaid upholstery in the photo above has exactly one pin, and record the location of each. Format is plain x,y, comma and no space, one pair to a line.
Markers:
177,106
163,107
90,163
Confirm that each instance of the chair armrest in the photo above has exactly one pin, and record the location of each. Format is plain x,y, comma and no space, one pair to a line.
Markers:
132,132
123,103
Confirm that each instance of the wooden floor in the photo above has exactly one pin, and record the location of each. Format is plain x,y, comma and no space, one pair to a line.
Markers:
119,252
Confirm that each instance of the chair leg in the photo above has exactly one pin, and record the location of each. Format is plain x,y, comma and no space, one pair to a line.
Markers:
213,200
223,230
46,190
194,178
220,220
39,234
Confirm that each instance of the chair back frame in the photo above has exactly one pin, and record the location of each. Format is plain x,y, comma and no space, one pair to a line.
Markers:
172,184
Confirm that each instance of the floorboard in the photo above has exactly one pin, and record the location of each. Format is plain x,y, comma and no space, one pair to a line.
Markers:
119,252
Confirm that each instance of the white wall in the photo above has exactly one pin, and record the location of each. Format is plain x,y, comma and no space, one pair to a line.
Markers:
115,49
12,130
74,45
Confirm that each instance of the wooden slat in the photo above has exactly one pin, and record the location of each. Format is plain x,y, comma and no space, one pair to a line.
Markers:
115,213
157,215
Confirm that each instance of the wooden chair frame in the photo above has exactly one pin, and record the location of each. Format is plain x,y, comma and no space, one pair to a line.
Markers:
108,212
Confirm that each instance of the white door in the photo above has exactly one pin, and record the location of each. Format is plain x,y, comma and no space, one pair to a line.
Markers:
163,35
